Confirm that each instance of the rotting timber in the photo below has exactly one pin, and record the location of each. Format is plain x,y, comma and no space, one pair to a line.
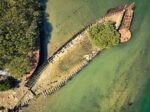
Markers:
43,82
126,24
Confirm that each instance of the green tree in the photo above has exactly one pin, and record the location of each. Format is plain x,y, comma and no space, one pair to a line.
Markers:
18,66
8,83
18,34
104,35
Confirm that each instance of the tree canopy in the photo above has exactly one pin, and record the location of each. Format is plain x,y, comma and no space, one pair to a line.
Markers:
18,34
8,83
104,35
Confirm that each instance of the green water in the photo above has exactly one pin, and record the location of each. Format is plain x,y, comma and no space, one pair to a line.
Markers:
118,80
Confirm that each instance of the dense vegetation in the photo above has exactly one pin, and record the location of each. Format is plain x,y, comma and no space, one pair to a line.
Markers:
104,35
19,31
8,83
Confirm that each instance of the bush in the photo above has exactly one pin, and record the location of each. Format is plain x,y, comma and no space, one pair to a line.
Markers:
8,83
18,66
104,35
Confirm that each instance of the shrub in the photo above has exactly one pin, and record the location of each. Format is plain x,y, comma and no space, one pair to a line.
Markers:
8,83
104,35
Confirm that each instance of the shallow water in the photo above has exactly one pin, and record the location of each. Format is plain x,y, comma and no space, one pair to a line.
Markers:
118,80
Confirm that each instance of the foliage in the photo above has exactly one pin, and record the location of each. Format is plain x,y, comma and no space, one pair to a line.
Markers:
8,83
104,35
18,66
18,34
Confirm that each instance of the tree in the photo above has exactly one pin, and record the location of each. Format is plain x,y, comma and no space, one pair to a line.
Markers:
8,83
18,34
104,35
18,66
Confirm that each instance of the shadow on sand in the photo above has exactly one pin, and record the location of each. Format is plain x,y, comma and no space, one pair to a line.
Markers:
45,33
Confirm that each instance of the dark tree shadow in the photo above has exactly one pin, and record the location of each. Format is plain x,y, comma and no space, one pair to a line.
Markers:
45,32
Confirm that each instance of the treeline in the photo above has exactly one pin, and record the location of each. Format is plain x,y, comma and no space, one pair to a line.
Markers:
19,31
